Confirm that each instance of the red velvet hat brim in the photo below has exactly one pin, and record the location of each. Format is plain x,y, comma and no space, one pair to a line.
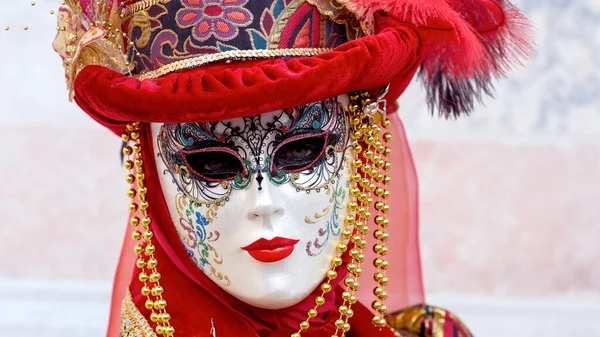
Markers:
237,89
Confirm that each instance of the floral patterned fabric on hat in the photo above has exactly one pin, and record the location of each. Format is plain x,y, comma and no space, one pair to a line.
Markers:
180,29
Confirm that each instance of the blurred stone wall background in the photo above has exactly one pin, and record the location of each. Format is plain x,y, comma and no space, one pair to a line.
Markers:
510,221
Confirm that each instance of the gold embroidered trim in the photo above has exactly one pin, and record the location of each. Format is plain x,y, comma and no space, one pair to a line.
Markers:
133,323
233,55
139,6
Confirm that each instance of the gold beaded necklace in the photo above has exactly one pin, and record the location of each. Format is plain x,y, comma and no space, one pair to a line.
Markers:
369,181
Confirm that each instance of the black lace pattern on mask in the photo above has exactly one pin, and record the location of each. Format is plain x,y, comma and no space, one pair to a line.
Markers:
303,146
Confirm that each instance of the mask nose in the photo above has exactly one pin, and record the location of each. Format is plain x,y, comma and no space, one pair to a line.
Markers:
265,207
265,211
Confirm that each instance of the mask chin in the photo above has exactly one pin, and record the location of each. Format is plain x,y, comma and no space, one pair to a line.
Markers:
280,292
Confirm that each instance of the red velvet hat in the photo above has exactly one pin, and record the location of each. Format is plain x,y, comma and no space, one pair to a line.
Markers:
202,60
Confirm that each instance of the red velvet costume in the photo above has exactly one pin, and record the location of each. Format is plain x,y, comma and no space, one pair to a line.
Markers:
179,61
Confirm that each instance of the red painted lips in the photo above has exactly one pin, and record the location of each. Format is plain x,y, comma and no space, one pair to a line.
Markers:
272,250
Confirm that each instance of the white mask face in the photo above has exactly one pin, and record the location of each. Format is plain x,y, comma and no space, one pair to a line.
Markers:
259,202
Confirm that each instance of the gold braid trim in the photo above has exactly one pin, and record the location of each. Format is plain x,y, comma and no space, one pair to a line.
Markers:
133,323
428,321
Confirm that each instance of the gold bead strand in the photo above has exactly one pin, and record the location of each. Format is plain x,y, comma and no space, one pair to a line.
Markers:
353,268
386,166
356,253
146,262
381,221
361,199
350,282
373,170
128,44
359,207
373,156
326,285
350,221
331,275
320,300
379,247
381,234
162,318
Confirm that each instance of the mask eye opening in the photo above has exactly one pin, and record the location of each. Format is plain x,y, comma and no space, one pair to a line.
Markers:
320,140
193,160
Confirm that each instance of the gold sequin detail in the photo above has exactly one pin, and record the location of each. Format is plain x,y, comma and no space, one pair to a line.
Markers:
231,55
133,323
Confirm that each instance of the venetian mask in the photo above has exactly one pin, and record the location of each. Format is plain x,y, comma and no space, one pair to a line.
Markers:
259,202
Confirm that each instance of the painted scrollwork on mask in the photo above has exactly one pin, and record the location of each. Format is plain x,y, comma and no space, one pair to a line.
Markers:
337,200
197,238
303,146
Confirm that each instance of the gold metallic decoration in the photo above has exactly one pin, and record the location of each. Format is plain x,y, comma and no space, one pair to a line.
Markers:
138,6
428,321
141,20
338,13
375,193
317,216
212,212
81,42
325,211
147,262
331,9
364,16
133,323
230,55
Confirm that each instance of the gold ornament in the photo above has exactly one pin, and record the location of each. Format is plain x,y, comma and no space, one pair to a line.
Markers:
81,41
146,262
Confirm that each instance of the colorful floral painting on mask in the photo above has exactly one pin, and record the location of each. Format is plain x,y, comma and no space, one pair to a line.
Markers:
198,237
